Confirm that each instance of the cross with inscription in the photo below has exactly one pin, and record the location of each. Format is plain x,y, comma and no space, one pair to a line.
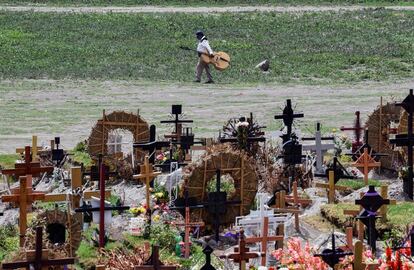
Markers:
154,262
24,198
288,116
318,148
357,129
28,167
40,259
407,140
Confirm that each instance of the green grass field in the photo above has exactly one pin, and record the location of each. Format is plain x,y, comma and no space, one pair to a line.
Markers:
201,2
319,48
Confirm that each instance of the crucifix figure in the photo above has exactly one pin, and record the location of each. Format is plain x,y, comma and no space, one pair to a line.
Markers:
24,198
40,259
29,167
152,145
207,252
371,202
333,255
102,208
217,203
318,148
242,254
147,174
288,117
407,140
187,223
154,262
264,239
365,163
176,111
357,129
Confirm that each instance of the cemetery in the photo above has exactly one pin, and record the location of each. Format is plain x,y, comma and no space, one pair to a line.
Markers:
296,153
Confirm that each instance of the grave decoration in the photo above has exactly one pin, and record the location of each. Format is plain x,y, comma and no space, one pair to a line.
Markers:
151,145
241,254
254,220
334,173
38,259
318,148
102,208
357,129
290,204
187,205
407,140
28,167
154,262
243,133
207,252
365,163
332,256
24,196
371,202
264,239
288,116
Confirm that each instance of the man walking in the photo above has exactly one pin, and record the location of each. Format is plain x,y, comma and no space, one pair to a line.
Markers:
203,47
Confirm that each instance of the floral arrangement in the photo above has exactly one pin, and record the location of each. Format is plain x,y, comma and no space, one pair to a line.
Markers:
137,211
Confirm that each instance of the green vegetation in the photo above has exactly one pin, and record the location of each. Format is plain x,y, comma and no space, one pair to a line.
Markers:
7,161
357,184
9,240
81,155
324,47
201,2
398,216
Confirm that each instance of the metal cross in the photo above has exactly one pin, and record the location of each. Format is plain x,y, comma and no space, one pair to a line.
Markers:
319,148
407,140
40,260
152,145
288,117
333,255
176,111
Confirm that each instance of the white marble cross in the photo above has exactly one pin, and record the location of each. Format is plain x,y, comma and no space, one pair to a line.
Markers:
318,148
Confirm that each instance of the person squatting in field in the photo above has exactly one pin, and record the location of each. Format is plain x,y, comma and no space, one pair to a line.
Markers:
203,47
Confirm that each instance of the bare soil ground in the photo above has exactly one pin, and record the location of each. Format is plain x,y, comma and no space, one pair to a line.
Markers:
70,108
156,9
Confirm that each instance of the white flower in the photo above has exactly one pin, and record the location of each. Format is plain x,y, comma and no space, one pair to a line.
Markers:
242,124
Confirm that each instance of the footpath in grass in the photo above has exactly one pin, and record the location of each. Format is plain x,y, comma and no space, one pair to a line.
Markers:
328,47
201,2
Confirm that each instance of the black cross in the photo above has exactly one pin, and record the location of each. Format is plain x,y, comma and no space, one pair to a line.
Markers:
58,155
371,202
288,117
185,141
292,152
152,144
376,156
339,171
217,204
95,171
207,252
407,140
332,256
181,203
176,110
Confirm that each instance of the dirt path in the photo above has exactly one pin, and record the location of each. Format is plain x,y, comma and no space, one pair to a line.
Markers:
155,9
70,108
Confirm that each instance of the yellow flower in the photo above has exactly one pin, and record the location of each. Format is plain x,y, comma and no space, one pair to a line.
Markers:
156,218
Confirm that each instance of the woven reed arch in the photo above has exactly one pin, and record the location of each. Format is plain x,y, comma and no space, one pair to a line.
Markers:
98,139
231,162
378,124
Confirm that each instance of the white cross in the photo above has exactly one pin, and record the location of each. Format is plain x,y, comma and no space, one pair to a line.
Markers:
319,148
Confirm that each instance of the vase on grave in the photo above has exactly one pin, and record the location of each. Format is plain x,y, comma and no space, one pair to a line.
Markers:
95,215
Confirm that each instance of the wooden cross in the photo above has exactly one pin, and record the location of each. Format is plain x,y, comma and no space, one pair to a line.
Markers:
176,111
154,262
147,174
365,163
357,129
407,140
264,239
288,116
207,252
40,259
331,186
349,236
187,223
35,149
77,192
24,198
360,225
242,254
358,263
319,148
28,167
152,145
